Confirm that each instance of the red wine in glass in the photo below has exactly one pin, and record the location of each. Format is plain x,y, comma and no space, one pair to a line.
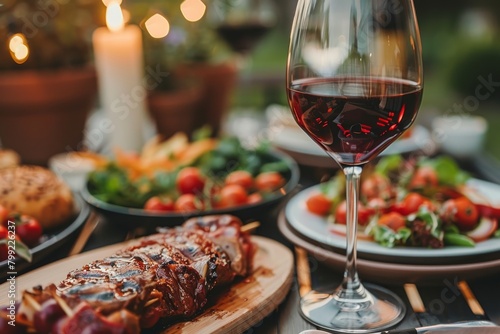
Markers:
243,37
354,119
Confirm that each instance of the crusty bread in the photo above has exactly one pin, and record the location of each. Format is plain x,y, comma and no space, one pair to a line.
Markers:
9,158
38,192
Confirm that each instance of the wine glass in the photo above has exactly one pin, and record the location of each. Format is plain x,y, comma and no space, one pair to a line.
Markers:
243,23
354,84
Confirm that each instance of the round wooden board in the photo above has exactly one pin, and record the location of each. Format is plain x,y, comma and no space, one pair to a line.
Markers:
243,305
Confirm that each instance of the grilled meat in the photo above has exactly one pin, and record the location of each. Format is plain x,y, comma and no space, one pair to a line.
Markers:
166,276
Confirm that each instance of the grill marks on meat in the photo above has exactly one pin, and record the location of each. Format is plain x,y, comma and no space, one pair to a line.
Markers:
180,267
165,276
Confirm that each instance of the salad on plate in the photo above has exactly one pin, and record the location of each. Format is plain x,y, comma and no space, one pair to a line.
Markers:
420,202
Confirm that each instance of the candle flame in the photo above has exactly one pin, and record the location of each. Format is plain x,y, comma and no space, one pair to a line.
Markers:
18,47
114,16
107,2
193,10
157,26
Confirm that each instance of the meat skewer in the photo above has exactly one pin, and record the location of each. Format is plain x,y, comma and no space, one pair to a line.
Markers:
161,278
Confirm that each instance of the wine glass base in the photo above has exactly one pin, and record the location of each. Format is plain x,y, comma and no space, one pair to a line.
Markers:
381,310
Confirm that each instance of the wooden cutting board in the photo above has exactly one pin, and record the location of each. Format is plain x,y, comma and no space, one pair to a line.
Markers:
244,304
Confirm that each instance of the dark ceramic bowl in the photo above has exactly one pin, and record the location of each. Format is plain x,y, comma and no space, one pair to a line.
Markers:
53,239
138,218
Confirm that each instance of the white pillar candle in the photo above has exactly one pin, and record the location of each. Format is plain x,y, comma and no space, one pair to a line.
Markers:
120,70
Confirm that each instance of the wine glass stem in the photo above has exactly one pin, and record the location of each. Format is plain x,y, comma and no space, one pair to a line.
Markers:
351,283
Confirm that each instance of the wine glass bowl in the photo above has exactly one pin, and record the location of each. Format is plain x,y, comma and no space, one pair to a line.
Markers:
243,23
354,85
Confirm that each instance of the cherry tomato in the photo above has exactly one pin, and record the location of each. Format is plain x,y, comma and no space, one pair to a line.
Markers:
4,233
376,186
190,181
393,220
269,181
29,230
460,211
159,204
242,178
424,177
187,203
364,214
412,203
319,204
4,213
254,198
232,195
341,213
4,252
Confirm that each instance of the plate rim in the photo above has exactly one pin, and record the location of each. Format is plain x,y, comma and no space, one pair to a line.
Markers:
370,249
55,241
387,272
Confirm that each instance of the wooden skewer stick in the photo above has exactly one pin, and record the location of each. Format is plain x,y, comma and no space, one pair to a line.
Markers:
470,298
250,227
303,271
65,307
414,297
31,302
151,302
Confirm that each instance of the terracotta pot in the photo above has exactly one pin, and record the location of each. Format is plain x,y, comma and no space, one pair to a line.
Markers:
175,111
219,82
43,113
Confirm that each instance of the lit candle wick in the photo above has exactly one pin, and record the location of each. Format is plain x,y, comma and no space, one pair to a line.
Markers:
114,17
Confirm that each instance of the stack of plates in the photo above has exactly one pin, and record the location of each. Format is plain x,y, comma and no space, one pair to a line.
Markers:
390,265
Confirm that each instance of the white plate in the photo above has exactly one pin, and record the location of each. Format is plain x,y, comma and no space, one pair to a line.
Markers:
301,147
392,273
316,228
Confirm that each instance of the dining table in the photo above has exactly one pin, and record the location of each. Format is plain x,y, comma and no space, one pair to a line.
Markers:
454,304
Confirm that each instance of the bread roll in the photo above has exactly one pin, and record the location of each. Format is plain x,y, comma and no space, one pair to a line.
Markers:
37,192
9,158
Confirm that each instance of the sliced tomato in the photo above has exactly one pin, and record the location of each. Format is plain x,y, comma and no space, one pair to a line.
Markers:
424,177
488,211
319,204
376,185
364,214
341,213
411,204
484,230
393,220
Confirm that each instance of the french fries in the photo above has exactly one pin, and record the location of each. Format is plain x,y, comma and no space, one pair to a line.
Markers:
163,155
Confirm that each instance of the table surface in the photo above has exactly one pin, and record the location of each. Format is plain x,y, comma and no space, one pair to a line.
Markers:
444,302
